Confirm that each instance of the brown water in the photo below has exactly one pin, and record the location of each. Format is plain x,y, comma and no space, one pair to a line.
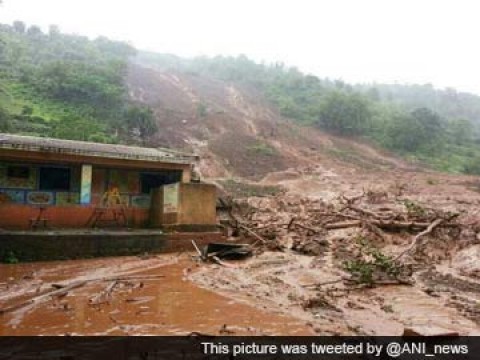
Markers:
170,305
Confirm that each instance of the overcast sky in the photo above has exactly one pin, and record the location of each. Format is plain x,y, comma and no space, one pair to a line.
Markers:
407,41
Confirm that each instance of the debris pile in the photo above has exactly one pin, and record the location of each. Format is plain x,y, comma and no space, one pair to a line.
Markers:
352,228
54,291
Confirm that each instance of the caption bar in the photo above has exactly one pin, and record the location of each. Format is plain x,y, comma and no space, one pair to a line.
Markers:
206,347
393,349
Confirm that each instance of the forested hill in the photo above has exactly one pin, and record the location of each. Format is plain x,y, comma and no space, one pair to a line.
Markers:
67,86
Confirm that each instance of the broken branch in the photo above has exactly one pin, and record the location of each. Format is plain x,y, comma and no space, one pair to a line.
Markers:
417,237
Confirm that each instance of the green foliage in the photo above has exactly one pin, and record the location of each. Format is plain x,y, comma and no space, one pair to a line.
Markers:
473,166
4,120
10,258
413,208
362,269
67,86
372,261
461,131
345,113
261,148
140,120
420,129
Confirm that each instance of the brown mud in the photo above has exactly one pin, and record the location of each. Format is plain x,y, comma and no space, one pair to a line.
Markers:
169,305
444,294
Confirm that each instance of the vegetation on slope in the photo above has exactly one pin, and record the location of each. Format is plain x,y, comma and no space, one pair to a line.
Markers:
439,127
67,86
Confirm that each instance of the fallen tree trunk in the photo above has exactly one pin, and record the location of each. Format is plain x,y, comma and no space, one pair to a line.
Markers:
63,289
43,297
387,225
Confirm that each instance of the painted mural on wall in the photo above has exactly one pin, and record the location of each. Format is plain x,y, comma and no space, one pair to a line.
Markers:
170,198
67,198
19,184
12,197
40,198
141,201
23,177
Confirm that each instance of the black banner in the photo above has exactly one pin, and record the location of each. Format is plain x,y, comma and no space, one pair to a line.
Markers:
209,347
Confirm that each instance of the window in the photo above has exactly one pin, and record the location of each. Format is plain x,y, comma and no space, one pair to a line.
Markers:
54,179
18,172
151,181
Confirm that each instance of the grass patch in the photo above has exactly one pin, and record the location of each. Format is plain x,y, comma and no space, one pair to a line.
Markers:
261,148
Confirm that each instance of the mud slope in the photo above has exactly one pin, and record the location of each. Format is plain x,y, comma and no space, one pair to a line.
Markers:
236,131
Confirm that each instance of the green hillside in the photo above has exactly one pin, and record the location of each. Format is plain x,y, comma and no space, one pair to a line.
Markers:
65,86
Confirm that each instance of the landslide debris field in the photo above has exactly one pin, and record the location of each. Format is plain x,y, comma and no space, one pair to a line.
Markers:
360,253
345,239
335,251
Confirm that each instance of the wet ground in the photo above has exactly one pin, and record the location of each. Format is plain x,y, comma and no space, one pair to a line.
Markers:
266,294
279,281
158,301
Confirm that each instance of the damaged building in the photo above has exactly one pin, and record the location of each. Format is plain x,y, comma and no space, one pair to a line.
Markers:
52,183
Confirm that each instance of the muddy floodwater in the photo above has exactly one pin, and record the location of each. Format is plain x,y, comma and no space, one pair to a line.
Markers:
151,297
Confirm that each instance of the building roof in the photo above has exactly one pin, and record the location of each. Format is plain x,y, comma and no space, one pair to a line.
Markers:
83,148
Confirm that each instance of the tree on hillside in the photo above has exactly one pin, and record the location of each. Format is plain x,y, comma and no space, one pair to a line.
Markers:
461,131
344,113
19,26
140,120
419,129
53,30
34,31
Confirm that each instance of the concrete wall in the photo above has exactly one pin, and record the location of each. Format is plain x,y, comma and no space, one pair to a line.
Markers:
158,217
197,204
194,206
40,246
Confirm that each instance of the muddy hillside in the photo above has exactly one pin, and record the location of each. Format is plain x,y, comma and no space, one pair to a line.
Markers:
235,130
